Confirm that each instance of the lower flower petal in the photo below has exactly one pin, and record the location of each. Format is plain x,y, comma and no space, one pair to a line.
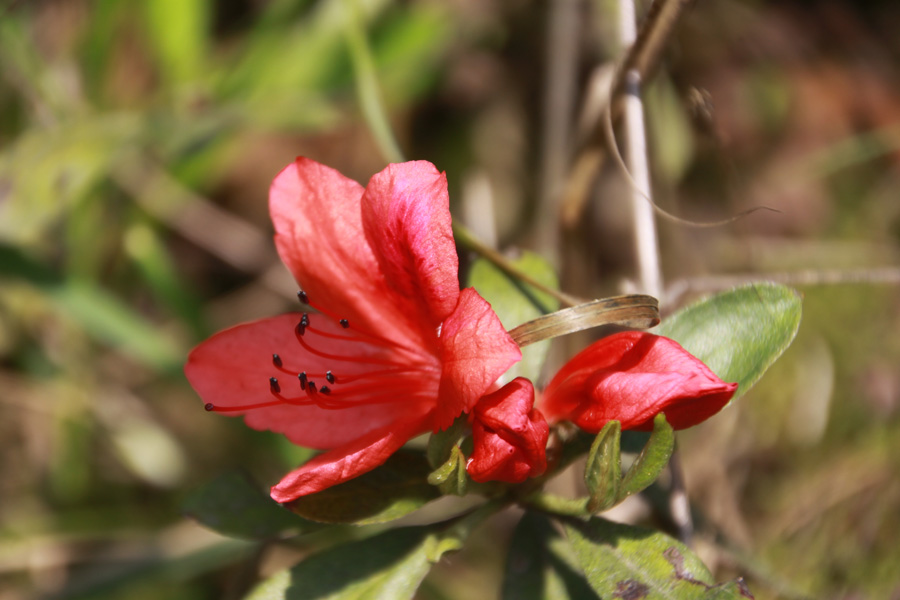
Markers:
348,461
231,372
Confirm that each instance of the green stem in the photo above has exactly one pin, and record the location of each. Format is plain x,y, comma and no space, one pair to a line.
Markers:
367,85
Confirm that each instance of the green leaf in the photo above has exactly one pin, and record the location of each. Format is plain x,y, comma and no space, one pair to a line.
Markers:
233,505
652,459
388,566
602,473
622,561
396,488
740,333
516,302
540,565
451,477
178,32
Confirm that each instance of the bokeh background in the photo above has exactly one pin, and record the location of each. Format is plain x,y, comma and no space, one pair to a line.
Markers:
137,142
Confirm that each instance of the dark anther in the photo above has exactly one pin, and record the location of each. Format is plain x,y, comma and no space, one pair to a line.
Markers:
302,377
330,377
345,323
312,387
304,320
276,360
208,406
325,390
300,329
301,295
273,385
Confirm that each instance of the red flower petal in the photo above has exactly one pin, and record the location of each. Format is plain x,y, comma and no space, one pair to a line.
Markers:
631,377
475,352
232,369
348,461
406,217
319,235
509,434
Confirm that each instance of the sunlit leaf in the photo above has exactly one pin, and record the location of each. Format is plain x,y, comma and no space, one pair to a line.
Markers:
396,488
388,566
739,333
622,561
234,505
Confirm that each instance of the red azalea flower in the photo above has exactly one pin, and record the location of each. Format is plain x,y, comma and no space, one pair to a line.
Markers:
631,377
509,435
395,349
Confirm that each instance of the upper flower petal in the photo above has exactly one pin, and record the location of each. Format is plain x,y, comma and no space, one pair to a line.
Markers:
348,461
476,350
231,371
319,234
509,435
406,216
631,377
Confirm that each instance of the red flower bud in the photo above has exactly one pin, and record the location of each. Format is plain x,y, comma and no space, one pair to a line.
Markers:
510,435
631,377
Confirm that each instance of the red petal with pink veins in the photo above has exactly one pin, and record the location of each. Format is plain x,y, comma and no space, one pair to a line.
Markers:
231,369
406,217
631,377
476,350
319,235
350,460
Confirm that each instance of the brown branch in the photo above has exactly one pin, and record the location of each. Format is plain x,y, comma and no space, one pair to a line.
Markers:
642,58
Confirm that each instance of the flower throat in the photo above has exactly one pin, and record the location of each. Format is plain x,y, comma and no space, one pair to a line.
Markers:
382,384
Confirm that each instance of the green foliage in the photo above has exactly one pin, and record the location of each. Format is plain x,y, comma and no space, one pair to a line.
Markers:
541,566
102,315
179,32
738,334
622,561
652,459
388,566
451,477
234,505
603,471
396,488
516,302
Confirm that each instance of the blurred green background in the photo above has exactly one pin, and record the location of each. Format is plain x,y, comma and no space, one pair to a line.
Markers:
137,142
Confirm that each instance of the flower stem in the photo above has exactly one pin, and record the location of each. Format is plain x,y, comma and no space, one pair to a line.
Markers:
367,88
